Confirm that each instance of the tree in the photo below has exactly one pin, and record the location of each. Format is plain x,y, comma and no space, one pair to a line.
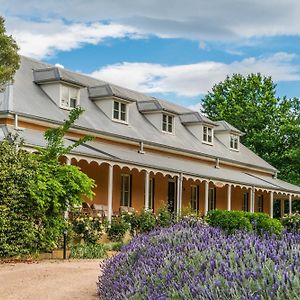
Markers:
35,190
271,124
9,58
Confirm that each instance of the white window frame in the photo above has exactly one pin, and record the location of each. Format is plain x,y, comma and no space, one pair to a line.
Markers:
119,111
195,197
212,201
260,203
151,194
68,105
208,135
125,191
167,124
234,142
245,203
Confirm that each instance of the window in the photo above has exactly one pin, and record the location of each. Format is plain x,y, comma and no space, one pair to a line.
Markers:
207,135
245,204
125,190
212,199
234,142
151,194
69,96
260,203
167,123
120,111
194,197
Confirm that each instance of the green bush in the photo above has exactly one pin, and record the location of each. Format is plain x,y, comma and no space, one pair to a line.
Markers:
147,221
132,219
117,229
164,217
230,221
90,229
88,251
262,222
292,222
113,246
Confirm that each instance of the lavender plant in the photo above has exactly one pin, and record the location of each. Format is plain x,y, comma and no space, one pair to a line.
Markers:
192,261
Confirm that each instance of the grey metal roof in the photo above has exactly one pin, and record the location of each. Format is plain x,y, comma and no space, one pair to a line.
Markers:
225,126
194,118
28,99
101,150
54,74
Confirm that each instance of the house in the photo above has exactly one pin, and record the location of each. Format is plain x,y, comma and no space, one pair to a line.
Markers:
146,151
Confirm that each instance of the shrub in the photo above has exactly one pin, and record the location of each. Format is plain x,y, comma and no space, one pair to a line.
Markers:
292,222
88,251
132,219
90,229
192,261
113,246
230,221
146,221
164,217
264,223
117,229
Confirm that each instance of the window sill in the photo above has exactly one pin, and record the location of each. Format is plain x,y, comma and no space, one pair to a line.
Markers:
120,121
208,143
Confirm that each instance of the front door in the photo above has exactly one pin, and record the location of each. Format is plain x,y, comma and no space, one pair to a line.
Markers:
171,196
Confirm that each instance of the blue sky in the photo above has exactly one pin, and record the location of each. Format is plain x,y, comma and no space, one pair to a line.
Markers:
176,52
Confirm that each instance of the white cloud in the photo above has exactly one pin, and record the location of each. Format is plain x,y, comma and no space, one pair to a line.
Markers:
195,79
216,20
196,107
42,39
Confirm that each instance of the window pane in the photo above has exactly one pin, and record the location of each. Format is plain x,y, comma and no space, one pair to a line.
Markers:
170,129
125,190
116,105
116,114
64,96
73,93
73,102
123,107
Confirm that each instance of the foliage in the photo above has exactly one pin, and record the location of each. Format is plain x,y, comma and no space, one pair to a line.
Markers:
292,222
192,261
264,223
271,124
19,219
116,229
55,138
187,211
90,229
9,58
35,190
230,221
88,251
113,246
147,221
132,219
163,217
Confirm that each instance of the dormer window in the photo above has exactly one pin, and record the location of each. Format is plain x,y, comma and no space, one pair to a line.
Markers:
69,97
120,111
207,135
234,142
167,123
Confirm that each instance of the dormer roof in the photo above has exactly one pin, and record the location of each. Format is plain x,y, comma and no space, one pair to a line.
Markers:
224,126
54,74
195,118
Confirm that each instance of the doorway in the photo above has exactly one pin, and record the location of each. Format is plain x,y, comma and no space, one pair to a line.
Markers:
172,196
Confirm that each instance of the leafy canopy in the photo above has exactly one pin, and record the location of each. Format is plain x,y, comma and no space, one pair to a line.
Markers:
271,124
35,190
9,58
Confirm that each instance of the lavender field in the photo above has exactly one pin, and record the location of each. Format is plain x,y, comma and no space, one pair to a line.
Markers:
192,261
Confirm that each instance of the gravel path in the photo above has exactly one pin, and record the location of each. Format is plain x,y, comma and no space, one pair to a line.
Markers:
53,280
